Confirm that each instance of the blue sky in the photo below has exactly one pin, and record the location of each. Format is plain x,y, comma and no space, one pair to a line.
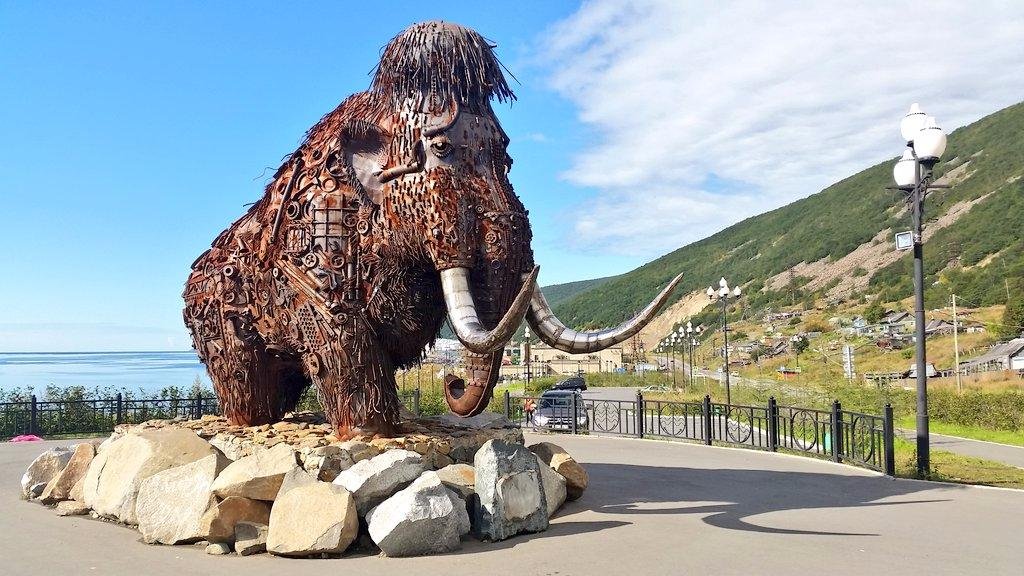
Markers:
131,134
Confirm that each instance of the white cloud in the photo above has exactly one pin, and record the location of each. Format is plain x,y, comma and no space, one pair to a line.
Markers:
778,100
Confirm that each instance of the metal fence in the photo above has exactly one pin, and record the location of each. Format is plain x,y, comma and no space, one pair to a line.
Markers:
70,417
841,435
67,417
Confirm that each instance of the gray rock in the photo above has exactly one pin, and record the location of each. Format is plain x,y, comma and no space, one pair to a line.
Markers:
482,420
326,462
218,549
43,469
423,518
250,538
510,492
172,503
111,484
554,487
313,519
373,481
258,476
576,479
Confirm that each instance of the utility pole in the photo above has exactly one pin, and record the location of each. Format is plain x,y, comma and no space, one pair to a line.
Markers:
956,348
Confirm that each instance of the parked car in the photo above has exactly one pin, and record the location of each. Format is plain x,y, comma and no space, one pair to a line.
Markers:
553,411
573,383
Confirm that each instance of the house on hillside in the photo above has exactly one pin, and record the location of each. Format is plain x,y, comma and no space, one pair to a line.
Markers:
1004,356
857,327
938,326
897,323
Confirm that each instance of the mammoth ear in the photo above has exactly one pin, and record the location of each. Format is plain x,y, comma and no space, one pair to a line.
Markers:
363,143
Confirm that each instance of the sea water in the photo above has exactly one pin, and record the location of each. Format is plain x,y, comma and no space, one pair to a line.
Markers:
139,372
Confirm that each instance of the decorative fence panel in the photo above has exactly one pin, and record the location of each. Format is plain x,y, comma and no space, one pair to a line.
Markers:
852,437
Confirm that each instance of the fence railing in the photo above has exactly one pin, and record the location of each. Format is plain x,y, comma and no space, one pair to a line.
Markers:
841,435
67,417
98,416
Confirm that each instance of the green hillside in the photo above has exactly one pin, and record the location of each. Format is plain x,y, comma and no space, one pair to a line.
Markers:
980,257
556,294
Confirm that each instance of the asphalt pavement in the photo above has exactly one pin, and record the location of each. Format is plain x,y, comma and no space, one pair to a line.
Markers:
652,508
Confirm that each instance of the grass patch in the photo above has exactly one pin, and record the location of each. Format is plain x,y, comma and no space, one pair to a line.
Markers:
949,467
1014,438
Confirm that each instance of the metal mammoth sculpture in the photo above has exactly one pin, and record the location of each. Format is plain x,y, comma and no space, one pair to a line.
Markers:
395,210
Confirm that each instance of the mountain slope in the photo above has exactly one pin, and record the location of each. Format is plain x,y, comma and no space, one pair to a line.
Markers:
556,294
974,238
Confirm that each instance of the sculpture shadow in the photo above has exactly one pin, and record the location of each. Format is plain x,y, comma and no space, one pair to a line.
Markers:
727,497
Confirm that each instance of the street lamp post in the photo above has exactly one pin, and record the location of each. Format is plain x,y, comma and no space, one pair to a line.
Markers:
690,343
913,175
672,345
723,294
526,353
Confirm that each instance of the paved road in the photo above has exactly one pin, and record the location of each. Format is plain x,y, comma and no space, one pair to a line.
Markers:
653,508
1012,455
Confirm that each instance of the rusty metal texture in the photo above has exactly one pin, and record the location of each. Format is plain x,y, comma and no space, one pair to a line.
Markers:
395,210
331,279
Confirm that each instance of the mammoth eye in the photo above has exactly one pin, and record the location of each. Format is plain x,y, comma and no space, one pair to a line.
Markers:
441,147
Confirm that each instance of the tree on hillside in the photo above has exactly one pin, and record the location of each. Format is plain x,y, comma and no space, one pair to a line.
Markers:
1013,319
874,312
800,345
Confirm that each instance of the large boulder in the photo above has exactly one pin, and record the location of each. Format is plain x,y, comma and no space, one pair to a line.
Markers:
293,479
510,491
313,519
373,481
42,470
326,462
218,524
171,503
59,487
423,518
258,476
554,487
111,485
576,479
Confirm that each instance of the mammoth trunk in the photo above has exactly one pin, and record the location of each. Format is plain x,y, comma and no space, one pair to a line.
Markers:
496,292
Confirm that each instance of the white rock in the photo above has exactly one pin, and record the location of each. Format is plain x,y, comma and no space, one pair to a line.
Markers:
313,519
258,476
43,469
423,518
111,485
171,503
71,508
373,481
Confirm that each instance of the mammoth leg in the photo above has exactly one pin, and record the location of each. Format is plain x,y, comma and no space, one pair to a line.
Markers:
254,386
356,386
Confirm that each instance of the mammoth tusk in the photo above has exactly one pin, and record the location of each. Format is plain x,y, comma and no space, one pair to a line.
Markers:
462,311
555,334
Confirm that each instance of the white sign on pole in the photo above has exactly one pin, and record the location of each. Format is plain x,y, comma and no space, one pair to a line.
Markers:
904,240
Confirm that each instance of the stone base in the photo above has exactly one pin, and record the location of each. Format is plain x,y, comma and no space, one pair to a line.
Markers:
441,440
